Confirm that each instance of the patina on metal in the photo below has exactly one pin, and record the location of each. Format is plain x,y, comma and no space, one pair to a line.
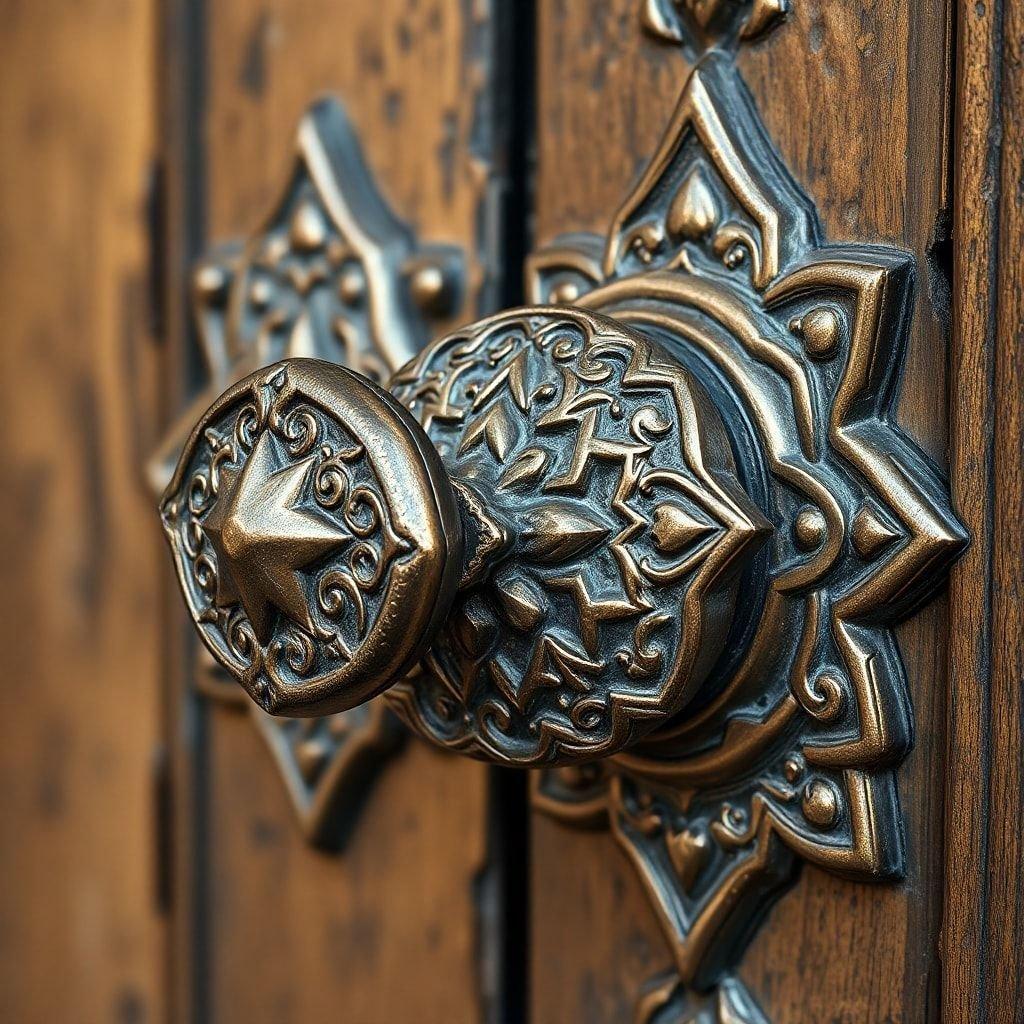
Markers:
319,541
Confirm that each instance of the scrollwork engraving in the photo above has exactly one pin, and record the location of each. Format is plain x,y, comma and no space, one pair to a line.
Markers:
290,538
608,467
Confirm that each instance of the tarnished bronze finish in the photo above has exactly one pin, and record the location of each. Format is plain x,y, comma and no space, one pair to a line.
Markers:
623,525
665,517
332,274
700,23
317,541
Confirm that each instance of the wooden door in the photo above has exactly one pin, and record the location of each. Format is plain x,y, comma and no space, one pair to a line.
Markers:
399,903
177,854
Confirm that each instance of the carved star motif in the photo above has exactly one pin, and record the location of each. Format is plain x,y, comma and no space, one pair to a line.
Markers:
263,537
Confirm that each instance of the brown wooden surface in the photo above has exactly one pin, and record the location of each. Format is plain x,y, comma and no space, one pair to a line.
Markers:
390,929
79,929
984,919
855,97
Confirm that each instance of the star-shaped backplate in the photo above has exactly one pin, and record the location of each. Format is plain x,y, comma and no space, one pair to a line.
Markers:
719,253
330,274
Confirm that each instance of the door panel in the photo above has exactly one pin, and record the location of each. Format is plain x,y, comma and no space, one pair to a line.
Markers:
855,101
982,924
279,930
868,137
155,864
79,606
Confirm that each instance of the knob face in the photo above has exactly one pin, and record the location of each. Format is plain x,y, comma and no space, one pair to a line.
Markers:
612,476
316,538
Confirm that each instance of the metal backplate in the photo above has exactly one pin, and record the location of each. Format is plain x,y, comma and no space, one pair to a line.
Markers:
332,274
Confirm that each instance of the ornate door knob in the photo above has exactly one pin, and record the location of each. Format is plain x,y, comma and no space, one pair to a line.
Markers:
565,532
666,517
545,520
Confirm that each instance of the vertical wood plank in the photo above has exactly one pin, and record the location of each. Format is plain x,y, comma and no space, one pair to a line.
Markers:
983,925
855,97
179,217
79,928
395,926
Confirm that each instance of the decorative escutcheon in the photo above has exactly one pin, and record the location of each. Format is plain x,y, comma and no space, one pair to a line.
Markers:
649,535
331,273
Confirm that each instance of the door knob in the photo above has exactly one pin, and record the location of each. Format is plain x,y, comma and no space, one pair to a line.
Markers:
567,532
545,518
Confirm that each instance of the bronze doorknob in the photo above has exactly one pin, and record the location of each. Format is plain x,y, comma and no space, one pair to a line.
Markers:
536,539
673,512
670,521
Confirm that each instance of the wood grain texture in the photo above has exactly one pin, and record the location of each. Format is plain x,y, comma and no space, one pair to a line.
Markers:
984,917
855,97
79,928
594,941
391,928
414,77
385,931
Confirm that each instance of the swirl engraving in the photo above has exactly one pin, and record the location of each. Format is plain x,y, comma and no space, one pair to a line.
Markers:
579,432
280,613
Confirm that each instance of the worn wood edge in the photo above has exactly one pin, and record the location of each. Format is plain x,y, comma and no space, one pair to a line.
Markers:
982,927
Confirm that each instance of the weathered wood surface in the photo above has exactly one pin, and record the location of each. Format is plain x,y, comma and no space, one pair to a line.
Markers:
855,96
79,927
391,928
983,925
858,100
